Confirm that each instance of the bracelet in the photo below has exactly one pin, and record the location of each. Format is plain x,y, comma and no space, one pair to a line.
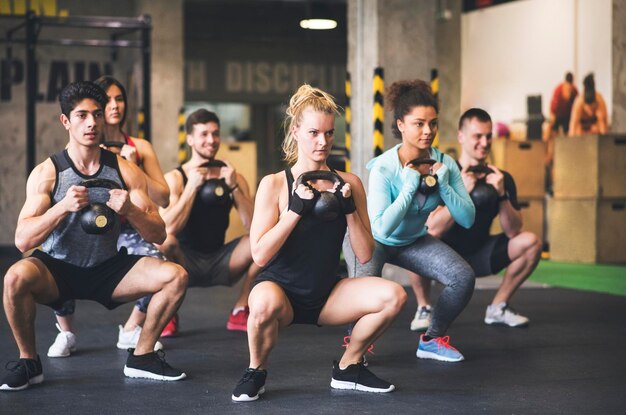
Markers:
232,189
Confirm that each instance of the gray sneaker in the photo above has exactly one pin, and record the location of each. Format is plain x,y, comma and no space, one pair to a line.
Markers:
422,318
503,315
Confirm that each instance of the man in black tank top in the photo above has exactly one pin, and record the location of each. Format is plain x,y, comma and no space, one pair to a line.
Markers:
196,229
513,249
74,264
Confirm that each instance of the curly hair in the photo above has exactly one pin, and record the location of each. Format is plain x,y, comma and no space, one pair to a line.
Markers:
305,97
75,92
403,96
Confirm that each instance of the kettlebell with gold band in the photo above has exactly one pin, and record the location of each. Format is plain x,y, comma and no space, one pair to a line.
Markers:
428,182
98,218
214,191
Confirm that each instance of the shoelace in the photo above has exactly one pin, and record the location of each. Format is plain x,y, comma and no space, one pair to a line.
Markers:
443,342
160,356
346,342
248,375
424,313
509,309
16,366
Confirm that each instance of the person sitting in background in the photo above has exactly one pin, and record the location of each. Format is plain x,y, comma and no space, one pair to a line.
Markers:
589,115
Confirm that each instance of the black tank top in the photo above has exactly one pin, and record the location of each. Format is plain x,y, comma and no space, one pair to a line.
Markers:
206,227
468,241
68,241
307,263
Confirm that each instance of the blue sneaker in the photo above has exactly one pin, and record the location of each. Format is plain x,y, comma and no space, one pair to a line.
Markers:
439,349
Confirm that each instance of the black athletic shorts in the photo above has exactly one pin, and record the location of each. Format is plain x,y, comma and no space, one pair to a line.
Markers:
491,258
304,311
95,283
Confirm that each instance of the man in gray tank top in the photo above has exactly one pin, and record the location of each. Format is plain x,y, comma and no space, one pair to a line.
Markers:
76,264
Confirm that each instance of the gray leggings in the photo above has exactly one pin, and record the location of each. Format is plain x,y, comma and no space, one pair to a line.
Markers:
430,258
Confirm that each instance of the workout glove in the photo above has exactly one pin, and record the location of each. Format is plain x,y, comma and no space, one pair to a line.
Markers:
346,203
301,206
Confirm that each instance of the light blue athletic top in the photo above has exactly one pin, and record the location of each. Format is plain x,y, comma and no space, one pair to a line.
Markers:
397,213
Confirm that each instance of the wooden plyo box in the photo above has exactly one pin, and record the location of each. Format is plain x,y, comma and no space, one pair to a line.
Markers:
242,155
525,161
587,230
590,166
533,218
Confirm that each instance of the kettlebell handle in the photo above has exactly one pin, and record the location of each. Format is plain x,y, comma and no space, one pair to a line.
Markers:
319,175
422,160
116,144
480,169
213,163
103,183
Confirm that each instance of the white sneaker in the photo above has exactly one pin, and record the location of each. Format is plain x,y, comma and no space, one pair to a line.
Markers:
422,318
503,315
64,344
128,339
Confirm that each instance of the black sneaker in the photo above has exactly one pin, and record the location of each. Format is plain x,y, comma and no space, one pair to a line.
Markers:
358,377
251,385
151,366
22,373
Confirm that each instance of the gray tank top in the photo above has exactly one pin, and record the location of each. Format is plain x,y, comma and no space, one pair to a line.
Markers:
68,242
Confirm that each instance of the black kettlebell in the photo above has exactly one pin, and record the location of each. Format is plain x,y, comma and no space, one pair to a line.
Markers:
428,182
483,194
326,207
214,191
98,218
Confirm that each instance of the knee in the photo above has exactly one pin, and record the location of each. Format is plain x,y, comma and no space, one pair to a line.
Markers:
464,279
531,245
179,277
395,297
17,280
263,311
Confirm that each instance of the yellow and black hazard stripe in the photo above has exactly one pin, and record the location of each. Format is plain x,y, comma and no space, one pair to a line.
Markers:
434,86
348,120
141,124
182,137
378,113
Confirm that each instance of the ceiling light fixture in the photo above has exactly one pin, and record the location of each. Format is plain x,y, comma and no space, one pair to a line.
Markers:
318,24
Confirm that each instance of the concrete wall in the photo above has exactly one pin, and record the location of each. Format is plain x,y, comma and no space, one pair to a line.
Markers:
526,47
59,65
167,75
619,66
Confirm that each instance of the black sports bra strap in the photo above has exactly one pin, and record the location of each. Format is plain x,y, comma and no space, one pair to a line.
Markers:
180,169
290,180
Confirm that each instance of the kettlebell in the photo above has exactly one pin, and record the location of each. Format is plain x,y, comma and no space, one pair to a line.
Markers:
98,218
113,144
483,194
327,207
214,191
428,182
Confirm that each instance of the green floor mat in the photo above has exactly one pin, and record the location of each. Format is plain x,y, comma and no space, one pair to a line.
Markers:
609,279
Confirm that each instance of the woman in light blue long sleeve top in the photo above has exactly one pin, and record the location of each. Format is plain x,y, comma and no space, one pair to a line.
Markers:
398,213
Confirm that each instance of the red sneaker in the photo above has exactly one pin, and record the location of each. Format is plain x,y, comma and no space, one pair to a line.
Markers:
171,329
239,320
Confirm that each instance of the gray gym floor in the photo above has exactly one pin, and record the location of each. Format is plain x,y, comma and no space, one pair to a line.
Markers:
571,360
